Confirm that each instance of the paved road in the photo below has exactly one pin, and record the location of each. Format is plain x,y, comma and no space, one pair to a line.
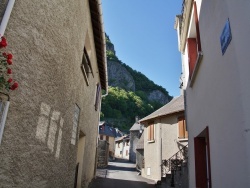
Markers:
120,174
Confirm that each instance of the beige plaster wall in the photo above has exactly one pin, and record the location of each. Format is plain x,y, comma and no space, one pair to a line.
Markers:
47,40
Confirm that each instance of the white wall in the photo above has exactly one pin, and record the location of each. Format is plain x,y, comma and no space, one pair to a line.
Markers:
220,95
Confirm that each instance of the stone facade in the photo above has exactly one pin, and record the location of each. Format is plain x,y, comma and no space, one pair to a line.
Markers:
103,154
38,149
134,138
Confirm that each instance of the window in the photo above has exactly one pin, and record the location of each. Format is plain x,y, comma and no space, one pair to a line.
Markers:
75,124
97,96
183,134
86,66
194,45
150,129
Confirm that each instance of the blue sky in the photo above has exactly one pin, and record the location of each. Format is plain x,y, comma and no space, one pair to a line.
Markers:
144,37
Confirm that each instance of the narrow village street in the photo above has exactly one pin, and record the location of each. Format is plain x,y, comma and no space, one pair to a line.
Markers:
120,173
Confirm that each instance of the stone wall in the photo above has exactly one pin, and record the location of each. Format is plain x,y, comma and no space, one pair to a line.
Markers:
134,138
140,159
47,39
103,154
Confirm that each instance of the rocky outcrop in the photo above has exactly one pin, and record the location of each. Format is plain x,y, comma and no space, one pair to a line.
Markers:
158,96
119,76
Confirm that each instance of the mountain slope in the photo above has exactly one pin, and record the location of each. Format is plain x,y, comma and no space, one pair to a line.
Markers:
131,93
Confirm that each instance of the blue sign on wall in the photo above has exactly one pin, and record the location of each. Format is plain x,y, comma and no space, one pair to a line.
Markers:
225,37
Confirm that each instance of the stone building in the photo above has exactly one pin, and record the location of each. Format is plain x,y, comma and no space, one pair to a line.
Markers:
135,134
50,134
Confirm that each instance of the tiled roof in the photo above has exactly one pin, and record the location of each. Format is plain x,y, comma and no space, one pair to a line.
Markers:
140,143
126,137
104,129
174,106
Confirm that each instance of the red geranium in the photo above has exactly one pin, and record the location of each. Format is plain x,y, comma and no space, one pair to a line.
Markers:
9,61
3,42
9,56
10,80
9,71
14,86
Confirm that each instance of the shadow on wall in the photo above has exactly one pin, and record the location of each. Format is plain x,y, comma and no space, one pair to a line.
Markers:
49,128
109,183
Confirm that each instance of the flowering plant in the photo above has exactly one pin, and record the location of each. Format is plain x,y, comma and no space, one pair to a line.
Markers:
6,81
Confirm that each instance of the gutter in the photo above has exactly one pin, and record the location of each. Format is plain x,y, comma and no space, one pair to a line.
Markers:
104,44
186,20
6,17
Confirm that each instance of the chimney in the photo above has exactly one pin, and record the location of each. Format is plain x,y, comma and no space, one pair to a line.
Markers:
137,119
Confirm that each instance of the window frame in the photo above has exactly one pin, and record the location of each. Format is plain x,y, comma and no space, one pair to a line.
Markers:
76,118
86,66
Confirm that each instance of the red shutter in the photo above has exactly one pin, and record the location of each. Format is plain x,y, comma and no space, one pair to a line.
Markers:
192,54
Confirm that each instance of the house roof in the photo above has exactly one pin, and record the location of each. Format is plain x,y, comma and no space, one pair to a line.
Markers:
140,143
99,38
174,106
104,129
135,127
126,137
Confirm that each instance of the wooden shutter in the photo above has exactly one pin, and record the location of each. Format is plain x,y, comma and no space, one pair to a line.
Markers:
192,54
182,127
151,131
185,129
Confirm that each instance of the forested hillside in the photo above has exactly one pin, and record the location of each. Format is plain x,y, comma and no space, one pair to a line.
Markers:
131,93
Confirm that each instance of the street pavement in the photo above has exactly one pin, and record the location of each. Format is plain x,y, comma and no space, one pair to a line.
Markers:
120,174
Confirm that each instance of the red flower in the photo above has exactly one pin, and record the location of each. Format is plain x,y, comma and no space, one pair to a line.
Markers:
4,54
9,71
9,56
3,39
9,61
3,42
14,86
10,80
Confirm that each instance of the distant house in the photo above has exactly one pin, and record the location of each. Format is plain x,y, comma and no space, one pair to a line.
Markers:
135,134
165,136
122,145
109,134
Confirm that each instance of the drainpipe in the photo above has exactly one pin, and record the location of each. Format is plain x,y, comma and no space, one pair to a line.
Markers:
6,17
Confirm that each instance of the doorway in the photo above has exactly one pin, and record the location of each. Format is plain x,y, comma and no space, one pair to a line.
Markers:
79,161
202,160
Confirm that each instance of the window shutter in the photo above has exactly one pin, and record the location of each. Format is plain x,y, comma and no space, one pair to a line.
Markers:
152,132
181,128
192,54
185,129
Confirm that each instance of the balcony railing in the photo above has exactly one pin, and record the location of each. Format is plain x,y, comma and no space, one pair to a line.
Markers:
175,162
